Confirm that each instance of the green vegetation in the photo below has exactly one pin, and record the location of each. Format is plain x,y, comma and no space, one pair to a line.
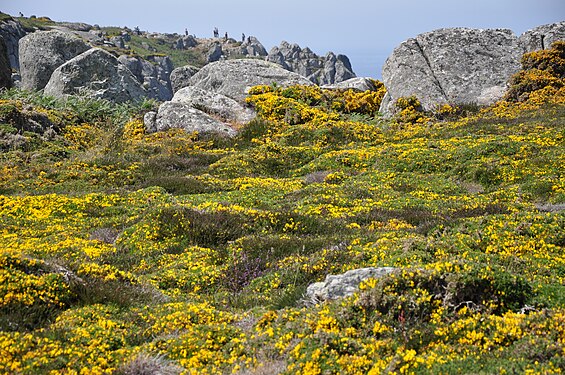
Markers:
33,23
194,56
123,250
140,45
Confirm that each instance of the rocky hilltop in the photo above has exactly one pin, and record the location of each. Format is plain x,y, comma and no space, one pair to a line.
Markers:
445,66
150,56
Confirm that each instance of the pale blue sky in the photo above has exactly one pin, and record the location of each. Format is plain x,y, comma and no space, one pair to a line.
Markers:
365,30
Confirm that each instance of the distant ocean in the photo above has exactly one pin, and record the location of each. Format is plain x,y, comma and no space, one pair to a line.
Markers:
367,63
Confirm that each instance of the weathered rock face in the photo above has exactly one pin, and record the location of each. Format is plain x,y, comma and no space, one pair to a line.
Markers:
181,116
77,26
98,74
214,53
214,104
541,37
118,41
154,74
358,83
234,78
181,75
320,70
452,66
42,52
185,42
339,286
5,69
11,31
230,49
252,47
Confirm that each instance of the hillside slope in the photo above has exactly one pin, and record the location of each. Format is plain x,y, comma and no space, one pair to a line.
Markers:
124,251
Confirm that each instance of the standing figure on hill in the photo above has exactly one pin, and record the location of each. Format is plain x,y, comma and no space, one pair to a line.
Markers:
242,37
216,33
226,36
186,31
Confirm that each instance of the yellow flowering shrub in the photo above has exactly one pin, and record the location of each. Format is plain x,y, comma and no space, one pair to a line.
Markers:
82,136
540,70
409,110
367,102
196,252
134,130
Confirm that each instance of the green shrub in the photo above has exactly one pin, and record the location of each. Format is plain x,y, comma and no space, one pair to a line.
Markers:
196,227
410,296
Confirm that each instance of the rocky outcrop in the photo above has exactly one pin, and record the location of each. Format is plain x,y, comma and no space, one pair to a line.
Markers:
185,42
320,70
215,53
42,52
180,76
153,73
252,47
220,49
214,104
195,109
343,285
456,65
358,83
118,42
97,74
180,116
5,69
12,31
77,26
541,37
93,37
234,78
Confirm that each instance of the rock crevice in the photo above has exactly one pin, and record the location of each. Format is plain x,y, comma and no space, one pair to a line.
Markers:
431,69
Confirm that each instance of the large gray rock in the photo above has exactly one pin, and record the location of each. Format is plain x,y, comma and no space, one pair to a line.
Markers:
456,65
320,70
12,31
181,116
42,52
541,37
5,69
153,73
357,83
181,75
214,104
234,78
343,285
97,74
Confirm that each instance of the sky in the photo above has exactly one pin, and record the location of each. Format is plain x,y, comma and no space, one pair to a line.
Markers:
367,31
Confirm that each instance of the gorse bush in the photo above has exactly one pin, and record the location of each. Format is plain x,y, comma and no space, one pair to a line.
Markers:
540,70
413,295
